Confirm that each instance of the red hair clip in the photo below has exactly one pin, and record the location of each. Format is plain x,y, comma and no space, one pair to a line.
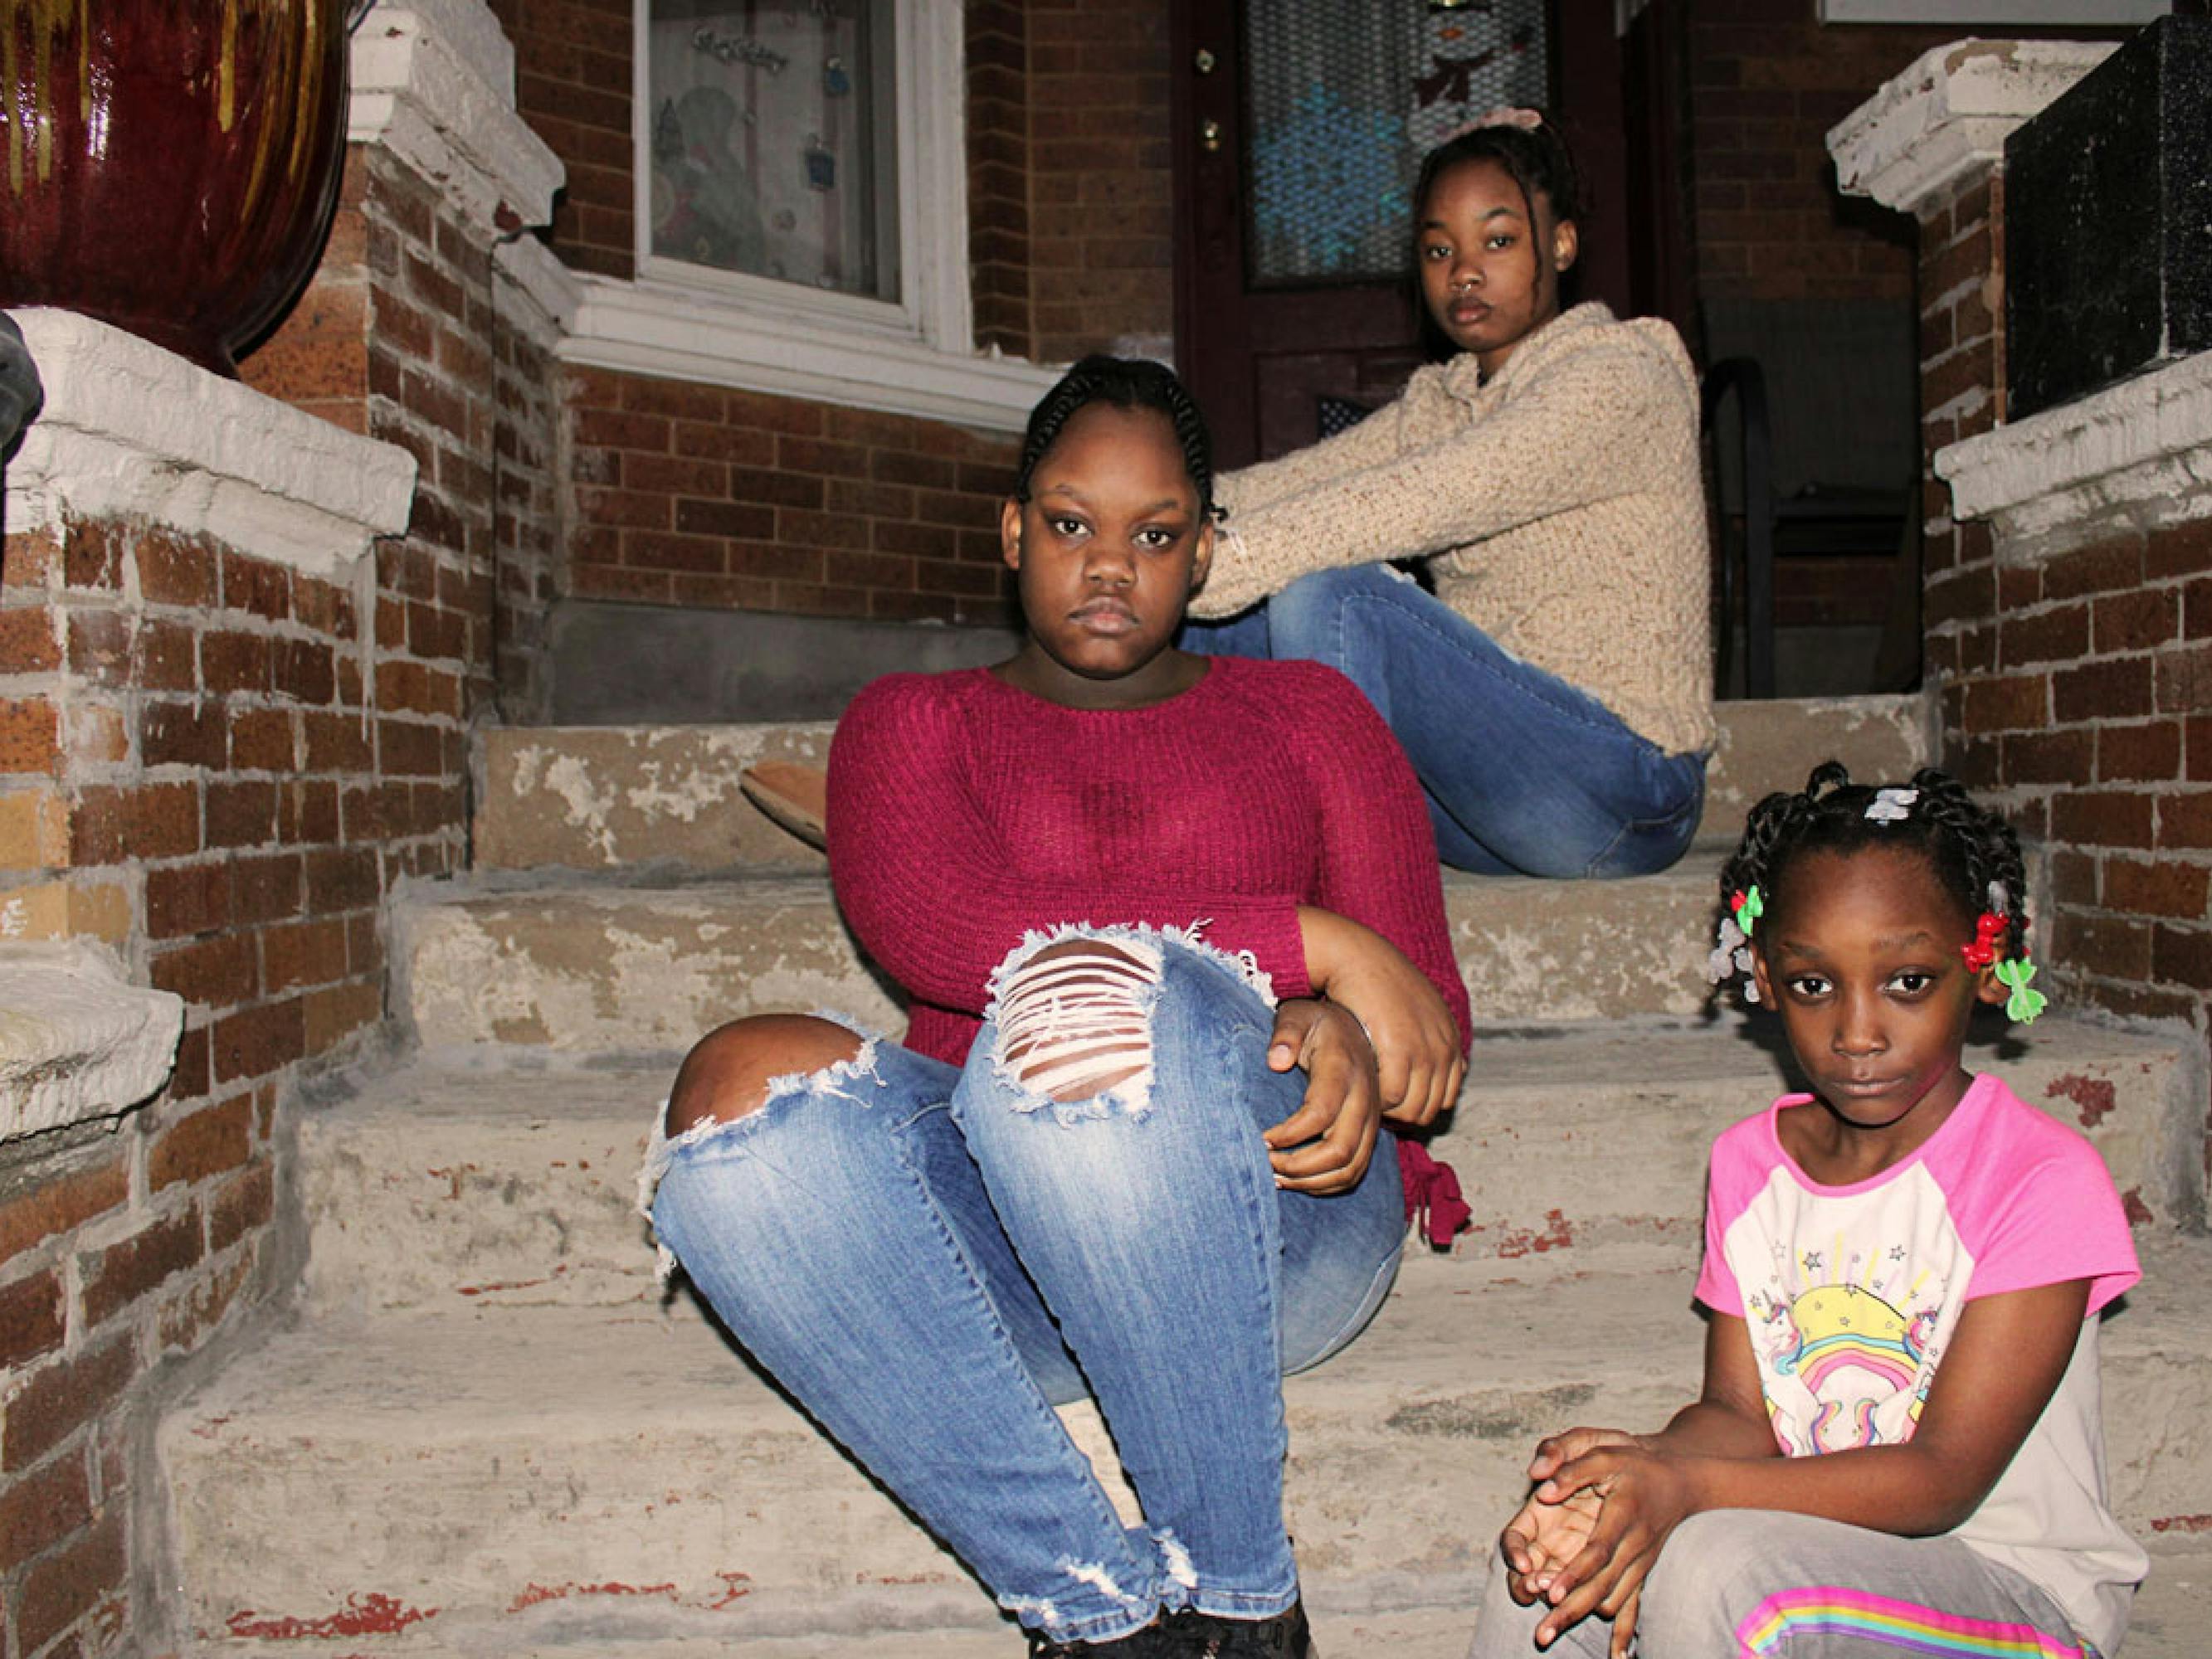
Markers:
1984,951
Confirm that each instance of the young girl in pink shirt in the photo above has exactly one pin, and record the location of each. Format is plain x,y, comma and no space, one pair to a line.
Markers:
1898,1445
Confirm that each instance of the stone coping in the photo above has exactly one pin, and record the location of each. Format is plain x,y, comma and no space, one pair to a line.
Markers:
2136,455
433,82
76,1042
1947,116
131,430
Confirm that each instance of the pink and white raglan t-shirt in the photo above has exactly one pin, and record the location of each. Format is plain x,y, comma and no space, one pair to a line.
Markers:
1852,1293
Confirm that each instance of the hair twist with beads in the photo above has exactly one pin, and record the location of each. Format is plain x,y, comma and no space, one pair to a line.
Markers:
1973,852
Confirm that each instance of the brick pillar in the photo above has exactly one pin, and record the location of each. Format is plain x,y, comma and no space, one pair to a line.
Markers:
182,668
2069,561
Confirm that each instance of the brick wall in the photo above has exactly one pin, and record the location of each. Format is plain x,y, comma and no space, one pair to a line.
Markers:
1766,82
999,105
2076,678
572,84
190,775
690,494
221,766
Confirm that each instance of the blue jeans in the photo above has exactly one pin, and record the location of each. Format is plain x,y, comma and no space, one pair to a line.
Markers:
930,1258
1525,774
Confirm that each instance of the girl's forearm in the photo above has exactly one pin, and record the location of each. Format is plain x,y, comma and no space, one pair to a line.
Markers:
1706,1428
1894,1488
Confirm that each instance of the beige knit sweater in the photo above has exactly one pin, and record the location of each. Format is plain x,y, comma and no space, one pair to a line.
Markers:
1561,508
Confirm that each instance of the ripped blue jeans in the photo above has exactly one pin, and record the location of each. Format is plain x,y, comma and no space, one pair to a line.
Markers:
929,1258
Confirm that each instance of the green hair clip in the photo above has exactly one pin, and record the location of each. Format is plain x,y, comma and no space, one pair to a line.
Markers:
2023,1004
1748,907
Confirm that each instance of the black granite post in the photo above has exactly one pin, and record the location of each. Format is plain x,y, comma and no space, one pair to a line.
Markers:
2108,221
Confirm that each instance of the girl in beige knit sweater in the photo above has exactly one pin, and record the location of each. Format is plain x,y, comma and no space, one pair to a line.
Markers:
1554,690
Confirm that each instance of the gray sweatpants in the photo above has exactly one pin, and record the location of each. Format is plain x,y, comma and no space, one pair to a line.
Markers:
1732,1583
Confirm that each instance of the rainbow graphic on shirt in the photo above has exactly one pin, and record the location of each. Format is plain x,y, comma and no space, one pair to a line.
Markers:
1882,1621
1852,1354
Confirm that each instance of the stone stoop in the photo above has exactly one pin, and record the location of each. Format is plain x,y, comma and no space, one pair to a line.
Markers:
490,1432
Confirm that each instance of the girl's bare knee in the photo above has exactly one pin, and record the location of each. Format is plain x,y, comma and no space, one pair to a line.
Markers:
726,1074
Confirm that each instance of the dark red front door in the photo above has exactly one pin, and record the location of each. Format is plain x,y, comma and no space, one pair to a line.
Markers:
1298,126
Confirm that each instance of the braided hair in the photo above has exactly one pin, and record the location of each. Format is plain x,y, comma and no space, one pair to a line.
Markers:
1538,162
1973,852
1126,383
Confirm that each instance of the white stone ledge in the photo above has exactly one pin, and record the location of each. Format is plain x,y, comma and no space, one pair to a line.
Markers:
646,328
2136,455
545,287
75,1041
434,83
131,430
1948,115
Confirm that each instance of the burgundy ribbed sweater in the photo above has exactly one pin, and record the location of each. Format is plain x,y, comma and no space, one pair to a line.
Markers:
964,813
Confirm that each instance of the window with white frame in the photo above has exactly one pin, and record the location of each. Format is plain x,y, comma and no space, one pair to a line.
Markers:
802,210
770,143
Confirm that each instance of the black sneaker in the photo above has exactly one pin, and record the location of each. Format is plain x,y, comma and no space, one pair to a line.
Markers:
1150,1642
1209,1635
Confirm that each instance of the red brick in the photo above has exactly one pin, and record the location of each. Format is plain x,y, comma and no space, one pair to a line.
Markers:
99,647
27,645
118,1275
2017,702
2118,689
168,656
183,734
29,733
304,953
60,1397
2185,820
71,1582
242,814
32,1319
2102,817
266,887
2184,678
2073,877
64,1200
406,749
155,821
173,571
2050,757
2109,567
2180,550
2112,947
325,607
215,973
2168,888
246,1203
193,898
2059,634
338,1011
264,740
2182,956
2149,753
211,1141
254,586
303,670
92,555
255,1042
232,662
337,743
343,878
43,1507
2137,621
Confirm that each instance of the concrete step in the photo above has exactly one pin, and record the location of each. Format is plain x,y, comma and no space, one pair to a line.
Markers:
579,966
593,797
503,1479
453,1186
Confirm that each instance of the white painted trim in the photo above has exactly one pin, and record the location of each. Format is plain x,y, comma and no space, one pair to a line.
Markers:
547,287
76,1042
2137,454
2001,14
430,86
647,328
934,308
1948,115
131,430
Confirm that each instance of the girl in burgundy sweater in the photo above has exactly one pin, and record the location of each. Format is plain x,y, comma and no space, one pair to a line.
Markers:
1174,944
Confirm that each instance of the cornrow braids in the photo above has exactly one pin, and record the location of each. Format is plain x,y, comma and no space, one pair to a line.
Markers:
1974,853
1124,383
1535,158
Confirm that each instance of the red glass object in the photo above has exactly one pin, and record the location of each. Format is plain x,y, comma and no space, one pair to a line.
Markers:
169,166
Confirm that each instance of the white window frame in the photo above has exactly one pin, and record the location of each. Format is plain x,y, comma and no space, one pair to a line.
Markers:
2023,14
915,356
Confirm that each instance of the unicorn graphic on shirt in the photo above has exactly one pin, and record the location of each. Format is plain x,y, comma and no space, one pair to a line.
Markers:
1843,1370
